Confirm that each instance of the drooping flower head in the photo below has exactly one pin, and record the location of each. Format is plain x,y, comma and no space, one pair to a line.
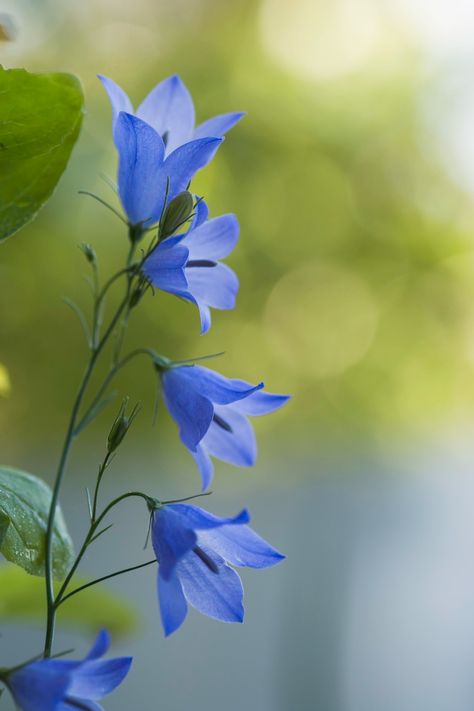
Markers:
67,685
169,109
194,549
212,413
188,265
146,178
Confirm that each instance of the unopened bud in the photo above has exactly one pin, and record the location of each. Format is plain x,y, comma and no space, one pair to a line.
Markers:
176,213
121,426
89,253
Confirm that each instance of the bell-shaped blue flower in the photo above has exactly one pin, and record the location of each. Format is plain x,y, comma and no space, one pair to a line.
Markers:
169,109
188,265
66,685
212,414
146,178
194,549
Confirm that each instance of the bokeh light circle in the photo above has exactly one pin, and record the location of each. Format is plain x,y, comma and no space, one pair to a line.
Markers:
321,319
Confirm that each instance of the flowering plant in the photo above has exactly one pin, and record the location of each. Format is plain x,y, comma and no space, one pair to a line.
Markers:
173,246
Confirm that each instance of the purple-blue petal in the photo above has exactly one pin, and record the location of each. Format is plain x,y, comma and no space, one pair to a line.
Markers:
140,182
196,518
215,286
191,410
165,267
214,386
173,605
236,442
182,164
216,594
119,100
96,678
39,687
169,109
206,467
202,213
218,125
214,239
241,546
171,539
100,646
261,403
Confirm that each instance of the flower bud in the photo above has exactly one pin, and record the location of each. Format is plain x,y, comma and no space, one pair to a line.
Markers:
121,426
89,253
176,213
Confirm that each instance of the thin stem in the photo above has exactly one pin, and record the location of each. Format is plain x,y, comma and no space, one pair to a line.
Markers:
88,539
102,469
70,433
105,577
108,379
105,203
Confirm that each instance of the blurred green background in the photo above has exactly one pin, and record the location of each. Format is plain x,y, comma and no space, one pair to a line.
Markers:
355,258
351,180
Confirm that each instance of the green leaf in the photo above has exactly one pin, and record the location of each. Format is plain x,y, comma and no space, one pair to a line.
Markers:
25,501
4,523
40,119
22,597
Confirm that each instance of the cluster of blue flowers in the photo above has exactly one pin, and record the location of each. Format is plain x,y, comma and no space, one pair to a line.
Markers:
159,151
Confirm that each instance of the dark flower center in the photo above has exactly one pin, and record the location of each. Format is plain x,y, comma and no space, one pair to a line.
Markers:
207,560
222,423
77,704
200,263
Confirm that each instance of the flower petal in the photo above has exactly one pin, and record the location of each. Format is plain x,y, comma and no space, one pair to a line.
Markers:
206,467
218,125
181,165
215,286
173,605
214,239
165,267
100,646
191,410
141,184
261,403
196,518
215,386
169,109
216,594
202,213
39,686
236,445
205,316
96,678
241,546
118,98
171,539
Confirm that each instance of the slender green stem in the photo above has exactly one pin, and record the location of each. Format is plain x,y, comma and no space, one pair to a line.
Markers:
95,523
70,433
108,379
102,469
105,577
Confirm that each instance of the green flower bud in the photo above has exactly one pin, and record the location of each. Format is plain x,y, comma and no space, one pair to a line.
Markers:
89,252
176,213
121,426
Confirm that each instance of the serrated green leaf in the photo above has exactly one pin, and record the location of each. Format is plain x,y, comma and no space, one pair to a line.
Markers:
25,501
22,597
40,119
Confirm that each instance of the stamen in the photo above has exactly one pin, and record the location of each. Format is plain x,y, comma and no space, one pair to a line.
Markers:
222,423
165,137
208,562
201,263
